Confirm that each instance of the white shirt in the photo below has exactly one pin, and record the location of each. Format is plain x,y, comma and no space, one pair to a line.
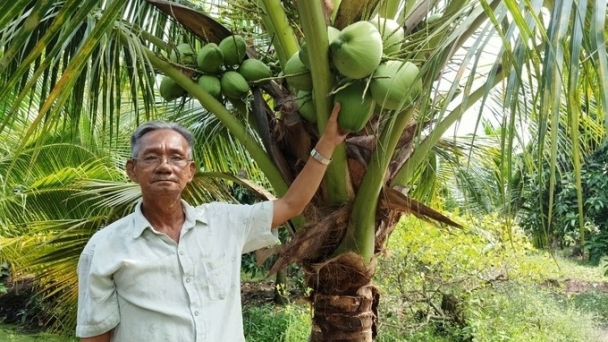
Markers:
149,288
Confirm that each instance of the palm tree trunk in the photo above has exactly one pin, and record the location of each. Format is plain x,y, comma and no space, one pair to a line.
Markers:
345,302
346,318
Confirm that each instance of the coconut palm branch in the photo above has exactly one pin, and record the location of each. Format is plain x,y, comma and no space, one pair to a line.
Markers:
475,47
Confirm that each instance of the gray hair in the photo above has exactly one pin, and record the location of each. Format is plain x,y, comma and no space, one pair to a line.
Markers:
153,126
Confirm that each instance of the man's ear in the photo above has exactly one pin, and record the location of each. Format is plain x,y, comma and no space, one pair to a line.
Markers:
130,165
192,169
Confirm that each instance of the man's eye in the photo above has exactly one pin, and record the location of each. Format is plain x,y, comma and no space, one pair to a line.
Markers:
177,159
151,159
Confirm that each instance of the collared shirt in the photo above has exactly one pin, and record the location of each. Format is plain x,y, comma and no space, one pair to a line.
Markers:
149,288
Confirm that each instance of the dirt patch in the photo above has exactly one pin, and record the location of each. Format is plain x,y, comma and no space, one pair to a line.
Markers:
575,286
578,286
257,293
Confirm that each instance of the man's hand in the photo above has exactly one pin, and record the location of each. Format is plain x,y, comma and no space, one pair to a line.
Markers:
99,338
333,134
306,184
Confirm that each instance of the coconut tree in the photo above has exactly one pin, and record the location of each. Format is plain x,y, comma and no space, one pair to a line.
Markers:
76,56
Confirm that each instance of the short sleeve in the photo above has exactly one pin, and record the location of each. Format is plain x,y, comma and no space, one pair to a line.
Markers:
97,299
259,230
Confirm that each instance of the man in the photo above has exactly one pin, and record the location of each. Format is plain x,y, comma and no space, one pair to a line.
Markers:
170,271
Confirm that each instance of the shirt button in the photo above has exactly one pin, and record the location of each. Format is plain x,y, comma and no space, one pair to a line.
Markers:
195,313
187,280
181,252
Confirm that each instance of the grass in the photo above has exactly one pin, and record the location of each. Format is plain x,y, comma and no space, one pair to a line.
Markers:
11,333
572,268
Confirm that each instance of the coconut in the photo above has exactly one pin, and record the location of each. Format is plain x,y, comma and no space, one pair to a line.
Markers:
211,85
210,58
356,107
433,18
254,70
392,33
395,84
303,55
234,49
183,54
306,106
169,89
234,85
297,75
357,50
332,33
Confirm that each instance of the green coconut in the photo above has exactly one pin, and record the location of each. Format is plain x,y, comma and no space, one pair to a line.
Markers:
234,49
332,33
395,84
392,33
234,85
254,70
433,18
357,50
170,90
183,54
303,55
297,75
211,85
356,106
210,59
306,106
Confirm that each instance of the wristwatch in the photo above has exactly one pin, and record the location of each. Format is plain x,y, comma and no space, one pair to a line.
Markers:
319,157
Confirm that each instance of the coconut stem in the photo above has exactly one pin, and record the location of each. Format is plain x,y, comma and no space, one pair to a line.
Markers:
287,40
360,235
337,186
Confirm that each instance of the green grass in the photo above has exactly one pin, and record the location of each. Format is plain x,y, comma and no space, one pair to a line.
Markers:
11,333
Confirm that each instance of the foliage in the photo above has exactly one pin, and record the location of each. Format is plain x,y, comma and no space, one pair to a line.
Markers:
564,224
13,334
290,323
518,312
5,273
437,276
595,302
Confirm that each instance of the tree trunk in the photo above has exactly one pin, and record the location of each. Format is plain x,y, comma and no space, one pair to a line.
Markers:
344,300
346,318
280,288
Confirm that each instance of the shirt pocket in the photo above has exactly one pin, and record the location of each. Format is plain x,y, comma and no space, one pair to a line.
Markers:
220,277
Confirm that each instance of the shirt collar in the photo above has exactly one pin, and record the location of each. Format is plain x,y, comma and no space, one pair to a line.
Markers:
140,223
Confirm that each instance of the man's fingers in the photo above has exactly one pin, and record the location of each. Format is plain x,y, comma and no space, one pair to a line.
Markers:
335,110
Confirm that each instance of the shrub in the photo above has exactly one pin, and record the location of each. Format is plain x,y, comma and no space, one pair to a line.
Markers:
471,284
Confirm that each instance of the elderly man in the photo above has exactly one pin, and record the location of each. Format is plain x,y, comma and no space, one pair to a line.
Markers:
170,271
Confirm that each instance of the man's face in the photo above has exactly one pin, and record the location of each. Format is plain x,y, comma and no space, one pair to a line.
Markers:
164,178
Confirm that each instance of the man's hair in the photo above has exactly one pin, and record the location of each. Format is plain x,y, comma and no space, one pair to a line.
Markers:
153,126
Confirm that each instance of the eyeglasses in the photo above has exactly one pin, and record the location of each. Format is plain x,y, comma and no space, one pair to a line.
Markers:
154,161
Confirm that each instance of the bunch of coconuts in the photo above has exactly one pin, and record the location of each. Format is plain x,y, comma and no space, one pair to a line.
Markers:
222,70
356,56
369,82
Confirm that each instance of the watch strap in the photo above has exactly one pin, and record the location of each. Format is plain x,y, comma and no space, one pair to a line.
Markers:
319,157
